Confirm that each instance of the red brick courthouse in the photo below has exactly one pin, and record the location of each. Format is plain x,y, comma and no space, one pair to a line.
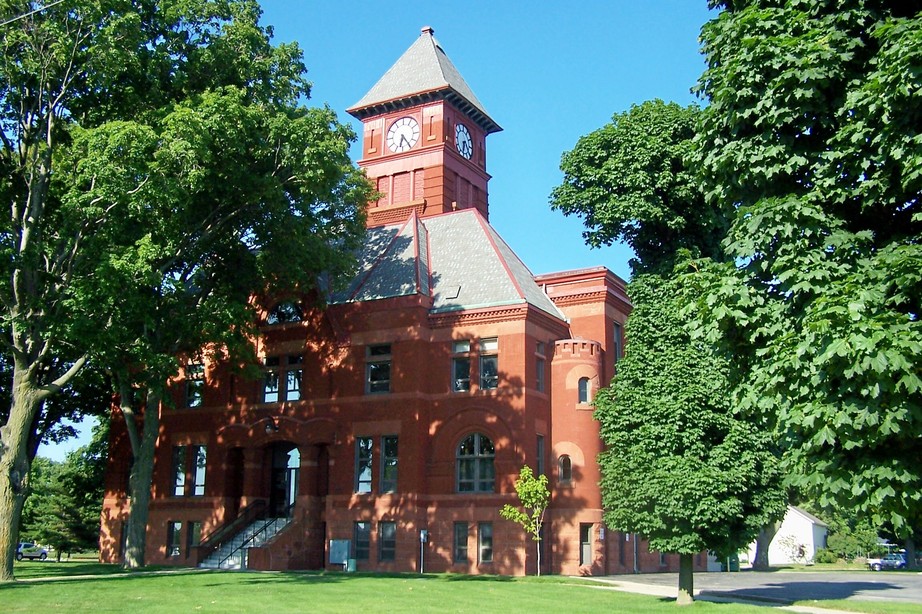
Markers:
405,409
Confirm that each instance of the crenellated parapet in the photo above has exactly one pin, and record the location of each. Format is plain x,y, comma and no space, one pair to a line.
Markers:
577,349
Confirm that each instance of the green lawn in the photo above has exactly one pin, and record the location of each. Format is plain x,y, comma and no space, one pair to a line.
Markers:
91,587
866,607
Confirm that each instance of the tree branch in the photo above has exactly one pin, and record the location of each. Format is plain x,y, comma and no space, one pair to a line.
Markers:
55,386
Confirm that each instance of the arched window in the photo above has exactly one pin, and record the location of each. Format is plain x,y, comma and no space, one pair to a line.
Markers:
284,312
583,389
564,469
475,464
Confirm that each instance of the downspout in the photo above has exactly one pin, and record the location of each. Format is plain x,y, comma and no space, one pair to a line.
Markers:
636,554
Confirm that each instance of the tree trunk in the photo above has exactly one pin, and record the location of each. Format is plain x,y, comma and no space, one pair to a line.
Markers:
139,483
910,553
538,551
686,595
763,541
14,465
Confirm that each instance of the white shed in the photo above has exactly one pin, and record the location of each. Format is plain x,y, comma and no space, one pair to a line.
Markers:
800,536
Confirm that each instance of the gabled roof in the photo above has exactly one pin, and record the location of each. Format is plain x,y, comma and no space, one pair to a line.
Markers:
457,259
390,264
810,517
422,74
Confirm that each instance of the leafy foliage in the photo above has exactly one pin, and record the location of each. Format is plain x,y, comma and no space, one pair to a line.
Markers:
159,168
850,533
681,466
814,131
534,497
64,507
629,181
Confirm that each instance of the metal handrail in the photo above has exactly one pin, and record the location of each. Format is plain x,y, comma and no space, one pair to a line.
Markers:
230,529
256,533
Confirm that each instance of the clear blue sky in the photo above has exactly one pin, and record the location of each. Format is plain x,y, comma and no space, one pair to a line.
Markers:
548,72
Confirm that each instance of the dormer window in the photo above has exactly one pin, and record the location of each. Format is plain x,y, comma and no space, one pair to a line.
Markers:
195,384
284,313
378,368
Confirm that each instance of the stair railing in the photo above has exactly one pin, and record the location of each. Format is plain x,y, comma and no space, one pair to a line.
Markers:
253,532
226,532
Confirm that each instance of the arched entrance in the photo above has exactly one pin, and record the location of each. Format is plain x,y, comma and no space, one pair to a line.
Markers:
286,470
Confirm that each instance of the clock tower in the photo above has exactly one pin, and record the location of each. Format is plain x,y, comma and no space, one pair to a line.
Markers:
424,136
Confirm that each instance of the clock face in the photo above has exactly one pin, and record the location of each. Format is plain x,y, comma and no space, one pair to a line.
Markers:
403,134
463,141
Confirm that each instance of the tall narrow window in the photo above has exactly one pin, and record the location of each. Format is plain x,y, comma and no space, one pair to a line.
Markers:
295,371
387,541
193,535
179,471
585,544
475,464
173,537
363,446
378,369
389,463
282,380
271,380
195,384
489,364
583,390
459,554
461,366
564,469
485,542
361,540
618,342
199,455
539,452
540,367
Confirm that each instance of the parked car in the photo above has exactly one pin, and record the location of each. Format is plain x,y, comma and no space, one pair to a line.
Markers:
28,550
888,561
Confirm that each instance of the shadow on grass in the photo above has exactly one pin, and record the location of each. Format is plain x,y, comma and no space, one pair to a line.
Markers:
326,577
51,569
81,573
464,578
788,592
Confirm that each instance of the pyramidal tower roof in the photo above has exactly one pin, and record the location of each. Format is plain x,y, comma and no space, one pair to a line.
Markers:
423,74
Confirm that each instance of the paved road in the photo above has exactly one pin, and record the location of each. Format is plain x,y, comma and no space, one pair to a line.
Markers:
789,586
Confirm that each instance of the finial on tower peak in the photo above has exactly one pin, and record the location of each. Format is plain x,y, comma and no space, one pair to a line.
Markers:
427,30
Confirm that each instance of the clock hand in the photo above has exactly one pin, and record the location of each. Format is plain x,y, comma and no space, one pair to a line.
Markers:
403,139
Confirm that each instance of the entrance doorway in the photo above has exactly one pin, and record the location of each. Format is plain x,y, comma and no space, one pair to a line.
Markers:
585,544
286,470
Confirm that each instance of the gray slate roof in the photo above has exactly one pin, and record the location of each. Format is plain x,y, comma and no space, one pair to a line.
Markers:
456,258
423,73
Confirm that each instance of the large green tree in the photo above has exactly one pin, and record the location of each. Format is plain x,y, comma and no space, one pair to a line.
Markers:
158,164
682,467
814,132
